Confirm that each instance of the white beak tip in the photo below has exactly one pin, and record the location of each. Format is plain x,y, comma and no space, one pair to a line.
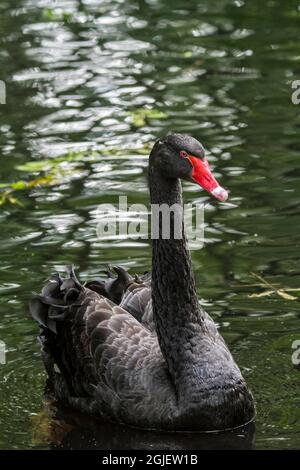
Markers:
220,193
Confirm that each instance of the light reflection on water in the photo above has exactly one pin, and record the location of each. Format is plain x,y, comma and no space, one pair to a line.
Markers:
79,78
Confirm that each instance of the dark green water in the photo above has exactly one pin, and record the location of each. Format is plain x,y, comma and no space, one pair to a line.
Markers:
79,77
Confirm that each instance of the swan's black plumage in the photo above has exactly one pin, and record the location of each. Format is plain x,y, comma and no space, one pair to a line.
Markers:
156,360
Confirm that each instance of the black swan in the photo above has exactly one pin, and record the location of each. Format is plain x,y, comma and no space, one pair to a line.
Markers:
156,360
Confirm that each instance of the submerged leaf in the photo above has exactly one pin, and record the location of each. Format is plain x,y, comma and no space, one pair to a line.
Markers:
266,293
42,181
19,185
15,201
286,296
140,116
55,169
36,166
8,196
56,15
45,428
272,289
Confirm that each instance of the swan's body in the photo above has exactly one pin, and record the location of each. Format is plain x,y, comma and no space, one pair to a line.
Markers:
156,360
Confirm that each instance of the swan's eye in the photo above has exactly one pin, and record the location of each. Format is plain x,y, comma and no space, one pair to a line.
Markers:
183,154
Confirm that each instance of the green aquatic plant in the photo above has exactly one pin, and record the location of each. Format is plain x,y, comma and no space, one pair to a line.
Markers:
8,195
53,164
48,172
50,14
45,427
140,116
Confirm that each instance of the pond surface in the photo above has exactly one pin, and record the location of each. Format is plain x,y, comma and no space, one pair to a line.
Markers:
89,86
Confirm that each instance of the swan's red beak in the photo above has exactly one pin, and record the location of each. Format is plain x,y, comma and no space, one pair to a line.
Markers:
203,176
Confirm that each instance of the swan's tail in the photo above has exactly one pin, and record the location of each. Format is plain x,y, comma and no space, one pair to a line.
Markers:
51,310
57,295
59,311
112,288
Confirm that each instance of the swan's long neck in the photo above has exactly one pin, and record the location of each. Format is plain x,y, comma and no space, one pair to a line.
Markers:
177,314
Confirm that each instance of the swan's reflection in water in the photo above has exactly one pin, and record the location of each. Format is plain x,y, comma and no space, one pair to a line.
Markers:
71,430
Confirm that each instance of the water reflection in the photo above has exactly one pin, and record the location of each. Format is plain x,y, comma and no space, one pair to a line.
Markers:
90,85
69,430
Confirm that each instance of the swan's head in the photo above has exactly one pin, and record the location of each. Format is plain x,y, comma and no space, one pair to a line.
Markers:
182,156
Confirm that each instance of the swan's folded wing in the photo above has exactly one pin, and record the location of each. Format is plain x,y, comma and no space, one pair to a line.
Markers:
131,293
137,301
130,369
99,358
